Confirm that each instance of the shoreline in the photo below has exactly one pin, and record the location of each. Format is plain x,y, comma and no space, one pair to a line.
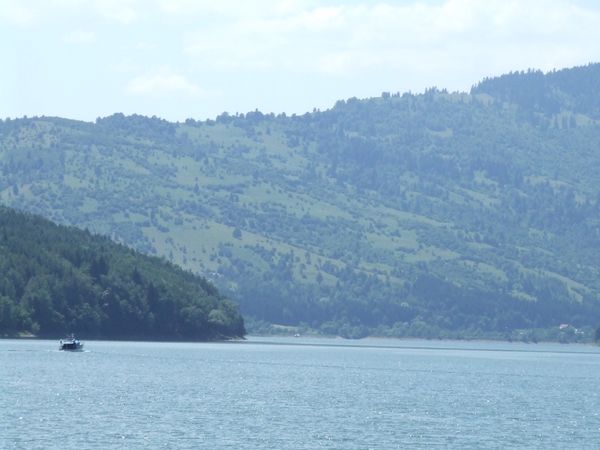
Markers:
326,340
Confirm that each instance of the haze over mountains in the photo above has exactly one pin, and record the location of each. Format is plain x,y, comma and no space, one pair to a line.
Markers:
435,214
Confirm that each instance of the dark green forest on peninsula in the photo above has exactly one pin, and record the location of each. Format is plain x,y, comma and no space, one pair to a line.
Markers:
56,280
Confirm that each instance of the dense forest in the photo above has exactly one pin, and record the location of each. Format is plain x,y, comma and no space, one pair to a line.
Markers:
435,214
56,280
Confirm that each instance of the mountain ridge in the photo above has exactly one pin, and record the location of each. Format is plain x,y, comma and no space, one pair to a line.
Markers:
339,219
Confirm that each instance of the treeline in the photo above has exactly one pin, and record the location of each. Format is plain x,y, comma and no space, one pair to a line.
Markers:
56,280
359,305
570,89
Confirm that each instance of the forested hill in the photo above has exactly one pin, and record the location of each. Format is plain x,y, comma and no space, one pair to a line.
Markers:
574,90
435,214
56,280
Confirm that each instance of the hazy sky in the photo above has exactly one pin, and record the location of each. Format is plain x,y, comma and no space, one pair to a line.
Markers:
185,58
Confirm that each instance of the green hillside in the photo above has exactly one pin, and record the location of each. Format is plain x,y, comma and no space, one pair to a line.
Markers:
56,280
437,214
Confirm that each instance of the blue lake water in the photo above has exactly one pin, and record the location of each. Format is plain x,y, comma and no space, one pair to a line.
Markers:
279,393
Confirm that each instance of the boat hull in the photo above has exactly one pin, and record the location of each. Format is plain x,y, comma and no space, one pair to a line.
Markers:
71,346
69,349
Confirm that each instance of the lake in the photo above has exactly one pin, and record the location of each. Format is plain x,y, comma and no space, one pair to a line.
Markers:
297,393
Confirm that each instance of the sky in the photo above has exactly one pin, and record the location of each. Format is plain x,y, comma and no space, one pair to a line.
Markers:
180,59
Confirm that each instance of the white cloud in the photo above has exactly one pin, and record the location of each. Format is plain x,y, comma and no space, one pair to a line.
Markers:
276,53
80,37
229,10
163,83
17,13
124,12
339,38
28,12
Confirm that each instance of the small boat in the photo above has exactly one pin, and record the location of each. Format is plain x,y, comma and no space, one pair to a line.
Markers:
71,344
